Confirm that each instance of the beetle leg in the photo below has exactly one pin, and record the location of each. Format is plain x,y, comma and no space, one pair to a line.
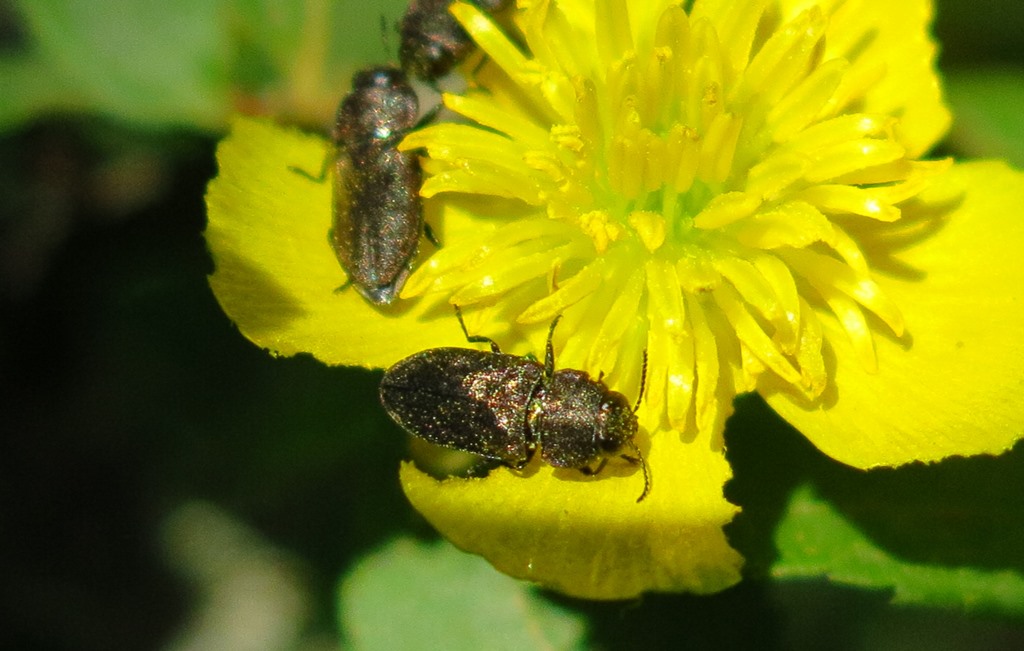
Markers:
330,156
639,459
330,241
475,339
525,461
587,470
428,232
428,116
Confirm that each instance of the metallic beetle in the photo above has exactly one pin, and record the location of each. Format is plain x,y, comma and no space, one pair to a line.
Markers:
432,41
378,217
504,407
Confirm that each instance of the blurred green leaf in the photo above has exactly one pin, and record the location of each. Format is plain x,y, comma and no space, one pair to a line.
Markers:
191,63
149,62
979,31
411,595
815,541
987,107
295,59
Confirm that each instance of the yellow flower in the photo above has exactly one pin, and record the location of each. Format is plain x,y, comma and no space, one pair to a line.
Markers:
737,189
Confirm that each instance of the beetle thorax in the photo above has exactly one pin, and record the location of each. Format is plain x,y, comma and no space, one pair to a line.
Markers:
577,420
617,422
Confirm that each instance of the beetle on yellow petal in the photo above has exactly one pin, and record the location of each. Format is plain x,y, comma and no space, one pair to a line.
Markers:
738,189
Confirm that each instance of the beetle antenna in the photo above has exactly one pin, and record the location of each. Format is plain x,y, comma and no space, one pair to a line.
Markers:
643,384
549,352
643,468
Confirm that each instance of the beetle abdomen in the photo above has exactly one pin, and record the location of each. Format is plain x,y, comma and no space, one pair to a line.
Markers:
377,217
465,399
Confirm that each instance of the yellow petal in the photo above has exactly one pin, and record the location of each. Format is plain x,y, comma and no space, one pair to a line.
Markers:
892,64
586,536
275,273
954,385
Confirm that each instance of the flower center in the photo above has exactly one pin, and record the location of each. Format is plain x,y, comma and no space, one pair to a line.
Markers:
695,188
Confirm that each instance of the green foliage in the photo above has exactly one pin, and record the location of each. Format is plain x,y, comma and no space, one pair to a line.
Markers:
816,541
943,536
190,63
135,394
149,63
987,104
411,595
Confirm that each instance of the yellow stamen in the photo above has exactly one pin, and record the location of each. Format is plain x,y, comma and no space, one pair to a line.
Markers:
705,189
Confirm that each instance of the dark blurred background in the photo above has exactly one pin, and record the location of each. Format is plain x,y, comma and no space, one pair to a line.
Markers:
134,417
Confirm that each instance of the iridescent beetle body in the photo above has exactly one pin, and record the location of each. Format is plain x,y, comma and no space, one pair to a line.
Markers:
504,407
377,212
377,215
432,41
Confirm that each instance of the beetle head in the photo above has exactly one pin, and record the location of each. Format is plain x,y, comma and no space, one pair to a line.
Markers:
617,423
